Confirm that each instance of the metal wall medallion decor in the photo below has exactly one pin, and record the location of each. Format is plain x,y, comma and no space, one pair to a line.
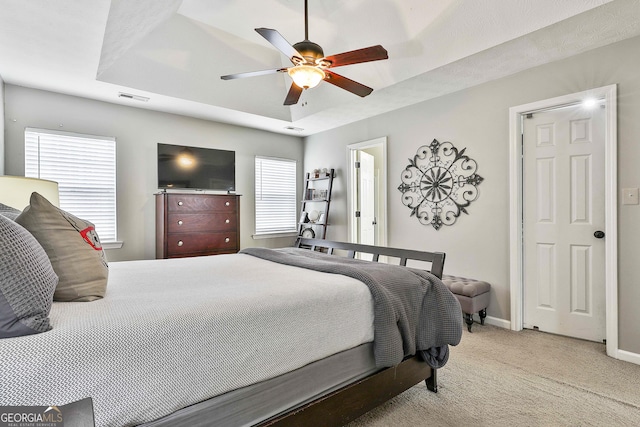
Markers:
439,183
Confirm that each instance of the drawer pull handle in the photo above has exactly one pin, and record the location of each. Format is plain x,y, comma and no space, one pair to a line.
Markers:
226,221
180,203
180,222
227,240
180,243
227,204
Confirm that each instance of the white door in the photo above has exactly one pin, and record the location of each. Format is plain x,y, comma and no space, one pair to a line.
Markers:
375,195
367,201
564,262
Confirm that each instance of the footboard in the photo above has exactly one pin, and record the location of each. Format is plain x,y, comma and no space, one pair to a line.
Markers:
344,405
435,258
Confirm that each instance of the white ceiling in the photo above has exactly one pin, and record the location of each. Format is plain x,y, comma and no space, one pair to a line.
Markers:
174,51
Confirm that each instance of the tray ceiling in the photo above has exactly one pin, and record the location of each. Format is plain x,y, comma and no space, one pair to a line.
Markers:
174,51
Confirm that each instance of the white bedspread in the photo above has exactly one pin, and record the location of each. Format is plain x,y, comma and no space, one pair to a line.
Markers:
170,333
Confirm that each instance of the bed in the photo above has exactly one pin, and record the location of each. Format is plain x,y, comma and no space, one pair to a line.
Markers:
242,339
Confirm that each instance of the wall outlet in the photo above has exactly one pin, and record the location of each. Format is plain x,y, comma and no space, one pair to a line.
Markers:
630,196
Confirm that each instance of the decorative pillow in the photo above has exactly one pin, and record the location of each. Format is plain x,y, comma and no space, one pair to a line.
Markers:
9,212
27,282
73,246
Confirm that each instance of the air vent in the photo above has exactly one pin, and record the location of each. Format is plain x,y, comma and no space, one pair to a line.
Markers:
134,97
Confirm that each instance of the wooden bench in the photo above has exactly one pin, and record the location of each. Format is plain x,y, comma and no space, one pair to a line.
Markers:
472,294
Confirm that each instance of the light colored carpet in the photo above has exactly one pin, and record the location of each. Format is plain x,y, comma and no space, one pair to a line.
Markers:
497,377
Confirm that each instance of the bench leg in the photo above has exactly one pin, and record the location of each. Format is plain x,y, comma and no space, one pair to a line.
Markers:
483,314
468,319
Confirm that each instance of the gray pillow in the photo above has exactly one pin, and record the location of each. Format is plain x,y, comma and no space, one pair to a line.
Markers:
27,282
9,212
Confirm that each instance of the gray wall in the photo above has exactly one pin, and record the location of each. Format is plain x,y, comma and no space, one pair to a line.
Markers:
477,118
137,132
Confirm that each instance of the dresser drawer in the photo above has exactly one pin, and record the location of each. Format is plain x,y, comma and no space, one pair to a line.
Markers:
201,243
200,202
178,222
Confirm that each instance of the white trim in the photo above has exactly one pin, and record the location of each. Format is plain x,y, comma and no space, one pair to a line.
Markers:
352,235
282,159
351,182
274,235
515,216
72,134
627,356
112,245
611,218
608,93
496,321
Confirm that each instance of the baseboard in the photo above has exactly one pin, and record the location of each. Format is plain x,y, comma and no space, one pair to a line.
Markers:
494,321
627,356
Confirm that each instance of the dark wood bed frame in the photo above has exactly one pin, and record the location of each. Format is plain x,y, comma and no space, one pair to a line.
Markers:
348,403
403,255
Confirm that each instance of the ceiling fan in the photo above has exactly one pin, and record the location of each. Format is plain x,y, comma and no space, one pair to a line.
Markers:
310,66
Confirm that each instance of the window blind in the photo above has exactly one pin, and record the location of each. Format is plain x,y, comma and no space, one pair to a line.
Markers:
84,167
276,202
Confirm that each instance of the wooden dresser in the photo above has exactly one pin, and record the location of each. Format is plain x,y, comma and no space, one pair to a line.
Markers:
196,224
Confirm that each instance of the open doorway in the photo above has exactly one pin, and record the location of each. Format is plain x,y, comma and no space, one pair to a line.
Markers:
367,192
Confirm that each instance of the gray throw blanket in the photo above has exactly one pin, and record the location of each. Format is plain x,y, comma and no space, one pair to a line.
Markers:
414,312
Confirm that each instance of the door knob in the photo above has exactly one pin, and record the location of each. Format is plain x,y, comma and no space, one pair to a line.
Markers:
598,234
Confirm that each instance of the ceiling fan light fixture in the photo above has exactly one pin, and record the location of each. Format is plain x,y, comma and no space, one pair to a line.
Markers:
306,76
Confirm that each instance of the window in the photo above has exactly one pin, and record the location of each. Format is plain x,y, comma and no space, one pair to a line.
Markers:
84,167
275,196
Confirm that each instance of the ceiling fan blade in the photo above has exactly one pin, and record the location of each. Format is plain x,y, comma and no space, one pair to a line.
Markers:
367,54
293,95
253,74
276,39
347,84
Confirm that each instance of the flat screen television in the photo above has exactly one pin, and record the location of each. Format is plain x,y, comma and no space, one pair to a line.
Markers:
197,168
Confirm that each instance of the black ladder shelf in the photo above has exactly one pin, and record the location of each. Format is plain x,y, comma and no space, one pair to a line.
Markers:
315,200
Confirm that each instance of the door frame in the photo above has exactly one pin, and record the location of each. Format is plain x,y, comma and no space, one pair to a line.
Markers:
352,190
609,95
